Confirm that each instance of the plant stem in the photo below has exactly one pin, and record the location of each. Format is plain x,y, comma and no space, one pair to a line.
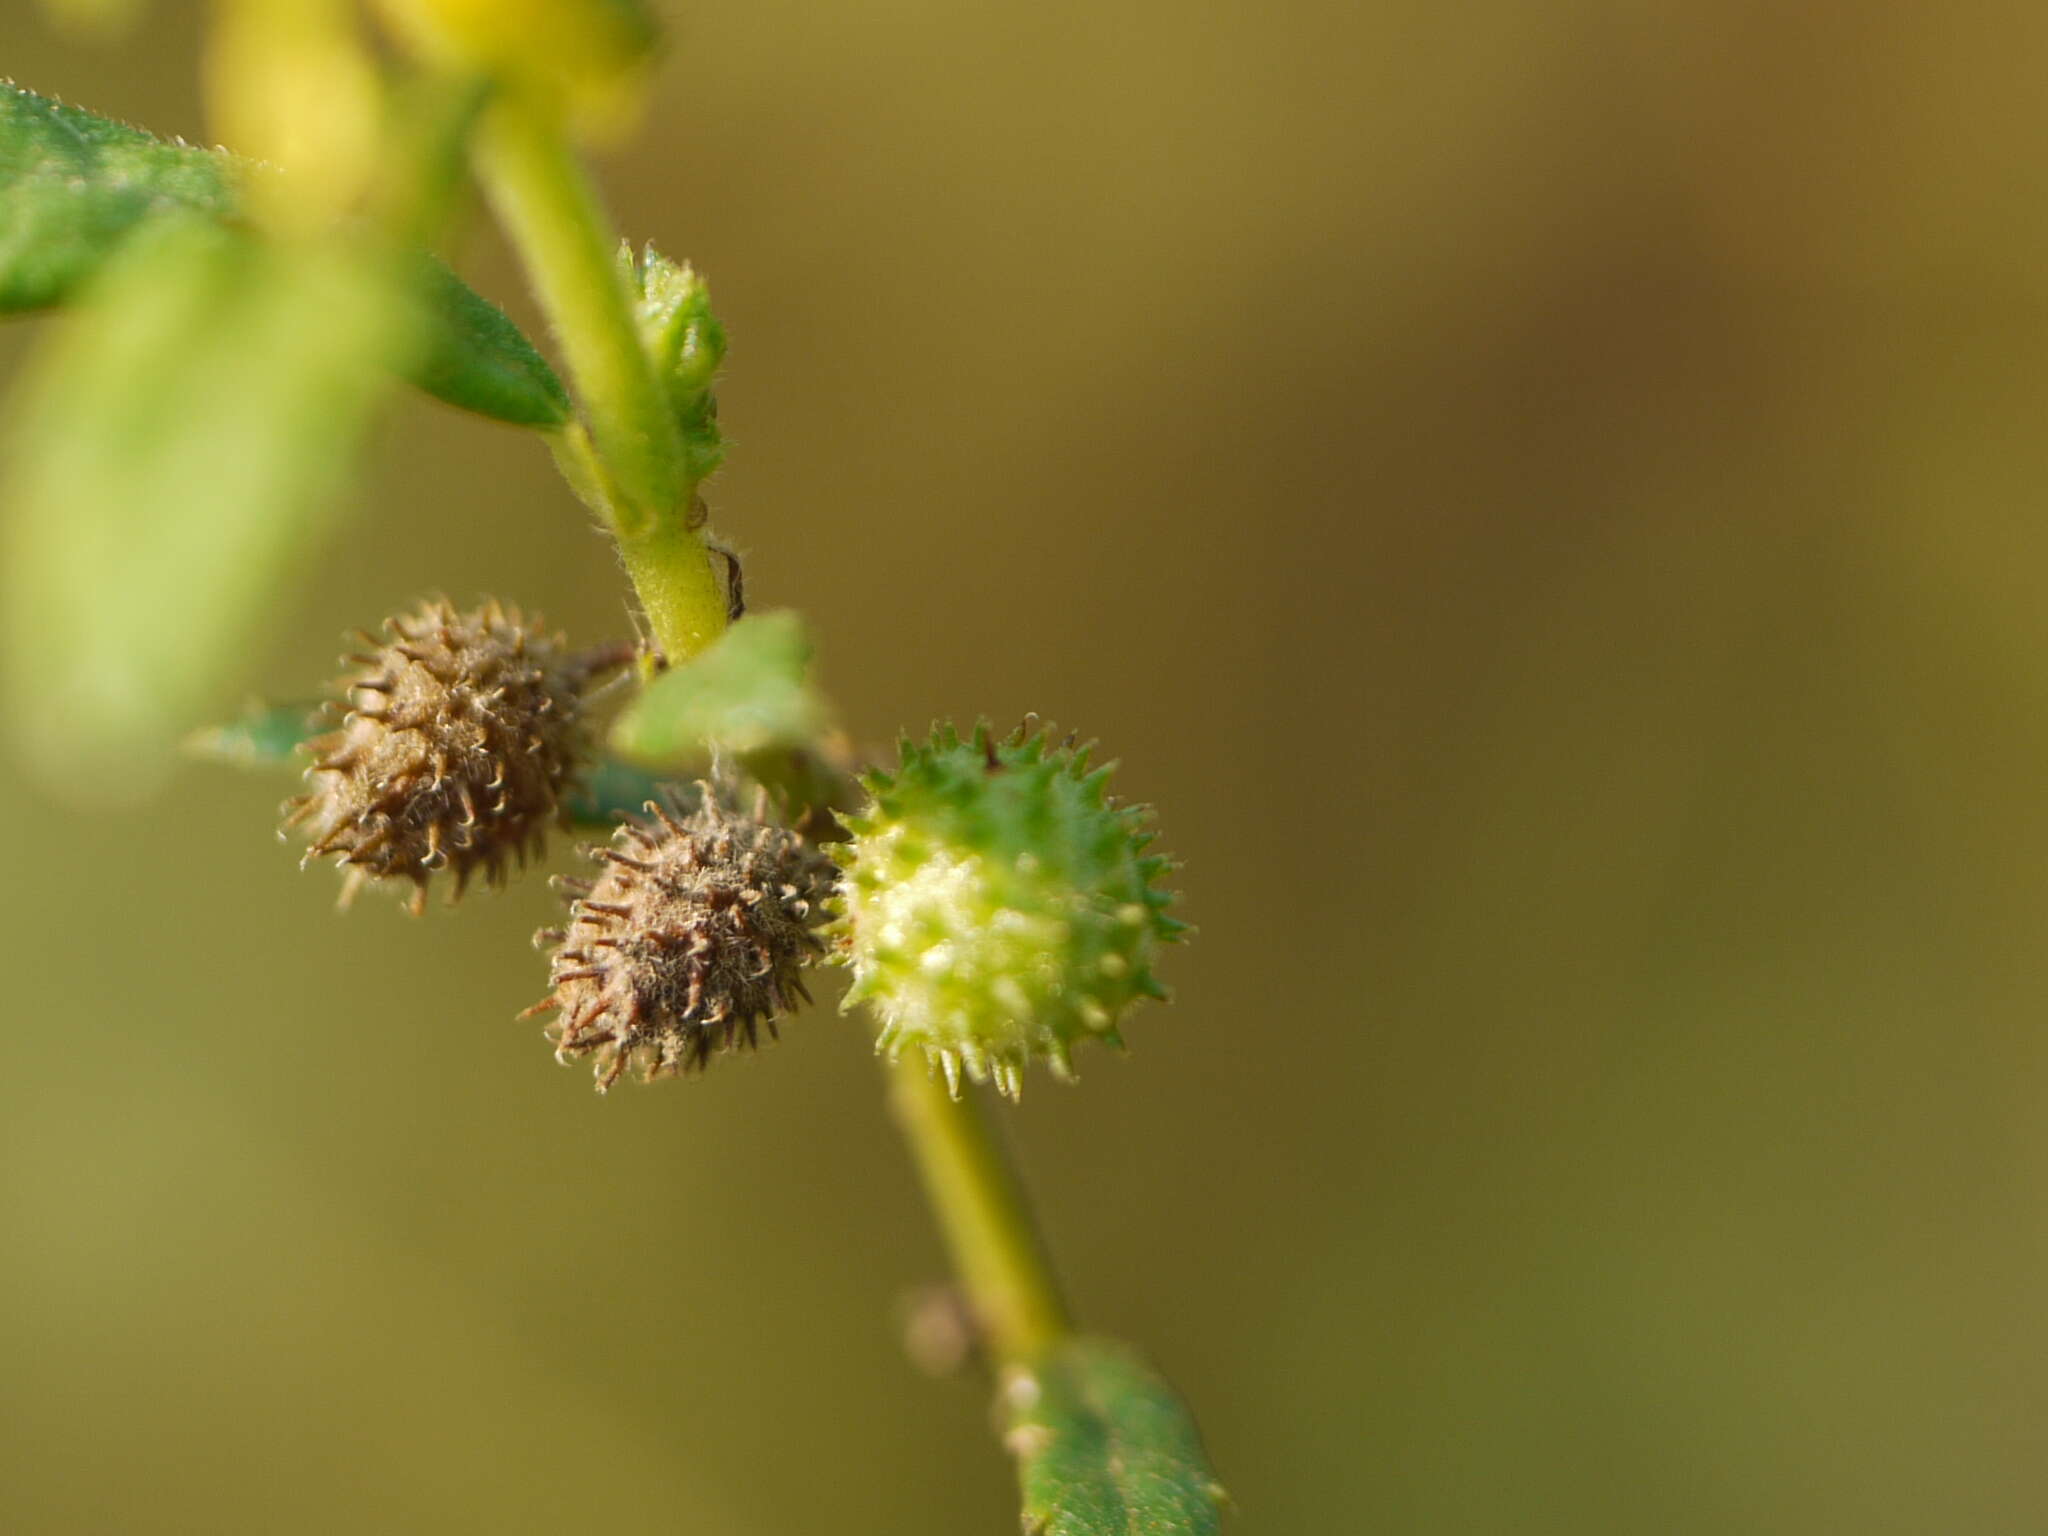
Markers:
551,212
631,467
679,591
982,1213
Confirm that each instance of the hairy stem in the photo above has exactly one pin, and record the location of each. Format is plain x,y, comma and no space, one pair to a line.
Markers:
982,1213
680,592
550,211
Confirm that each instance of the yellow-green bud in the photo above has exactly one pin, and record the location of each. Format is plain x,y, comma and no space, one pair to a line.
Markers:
685,342
589,55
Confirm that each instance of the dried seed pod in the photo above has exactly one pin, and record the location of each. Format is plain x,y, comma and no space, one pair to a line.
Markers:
695,934
459,735
997,905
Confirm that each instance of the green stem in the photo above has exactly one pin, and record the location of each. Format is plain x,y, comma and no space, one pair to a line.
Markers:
551,212
982,1214
636,475
680,592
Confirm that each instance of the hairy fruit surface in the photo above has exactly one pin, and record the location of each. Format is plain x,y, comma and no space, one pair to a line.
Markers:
997,905
459,735
695,934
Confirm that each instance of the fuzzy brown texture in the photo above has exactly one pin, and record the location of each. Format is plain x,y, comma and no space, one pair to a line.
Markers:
695,934
459,735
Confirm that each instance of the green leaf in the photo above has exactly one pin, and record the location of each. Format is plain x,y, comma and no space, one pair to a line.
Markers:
75,187
172,461
1104,1447
748,693
475,357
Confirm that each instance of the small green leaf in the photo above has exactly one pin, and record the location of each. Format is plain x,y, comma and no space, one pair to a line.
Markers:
262,736
173,458
749,693
475,357
1104,1447
75,187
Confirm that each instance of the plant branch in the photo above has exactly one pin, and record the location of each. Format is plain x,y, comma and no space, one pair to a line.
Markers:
982,1213
679,589
551,212
631,467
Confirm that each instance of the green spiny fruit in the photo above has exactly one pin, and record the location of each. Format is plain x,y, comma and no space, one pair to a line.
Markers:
996,905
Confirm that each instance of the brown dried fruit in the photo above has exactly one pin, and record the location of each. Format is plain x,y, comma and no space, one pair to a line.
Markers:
696,933
459,741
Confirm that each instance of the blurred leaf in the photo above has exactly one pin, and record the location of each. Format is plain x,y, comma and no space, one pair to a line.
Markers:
76,187
263,736
1104,1447
172,459
748,693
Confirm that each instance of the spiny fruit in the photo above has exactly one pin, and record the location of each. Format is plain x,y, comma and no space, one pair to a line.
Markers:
459,734
696,932
997,905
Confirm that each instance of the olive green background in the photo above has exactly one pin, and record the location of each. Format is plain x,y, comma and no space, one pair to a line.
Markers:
1547,499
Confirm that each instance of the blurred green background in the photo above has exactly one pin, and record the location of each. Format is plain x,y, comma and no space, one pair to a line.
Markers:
1546,499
